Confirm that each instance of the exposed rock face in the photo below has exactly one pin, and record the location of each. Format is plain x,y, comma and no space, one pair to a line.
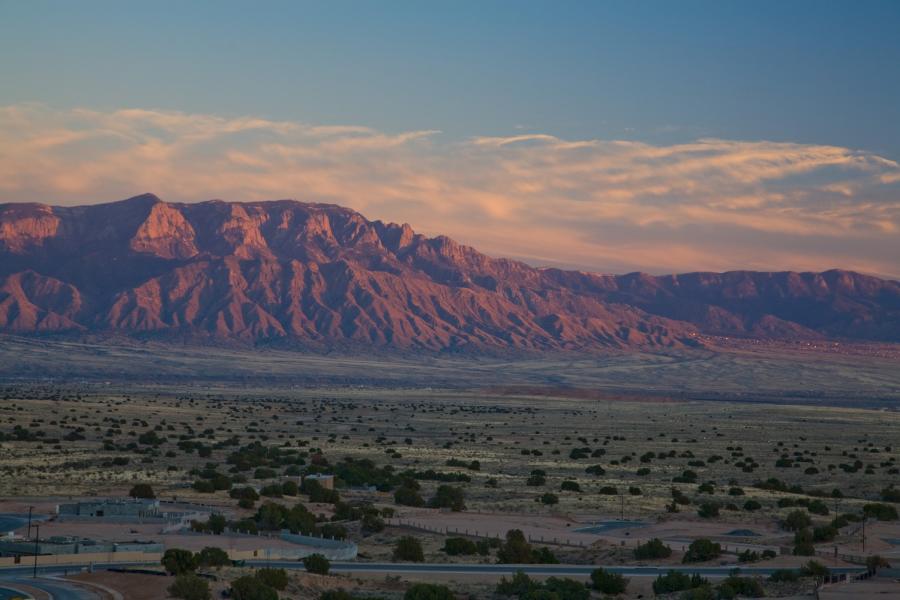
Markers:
320,274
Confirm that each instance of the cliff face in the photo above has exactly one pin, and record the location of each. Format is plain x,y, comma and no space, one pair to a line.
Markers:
323,274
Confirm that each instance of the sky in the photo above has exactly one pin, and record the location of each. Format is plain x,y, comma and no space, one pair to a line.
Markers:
605,136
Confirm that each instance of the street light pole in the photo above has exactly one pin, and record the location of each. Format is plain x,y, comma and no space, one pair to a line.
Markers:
30,508
37,537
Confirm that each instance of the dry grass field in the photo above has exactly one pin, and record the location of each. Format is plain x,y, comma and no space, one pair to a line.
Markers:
547,446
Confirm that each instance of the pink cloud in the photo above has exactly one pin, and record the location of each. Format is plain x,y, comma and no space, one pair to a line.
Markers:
598,204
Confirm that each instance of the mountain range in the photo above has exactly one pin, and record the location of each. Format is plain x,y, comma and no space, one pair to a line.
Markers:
320,275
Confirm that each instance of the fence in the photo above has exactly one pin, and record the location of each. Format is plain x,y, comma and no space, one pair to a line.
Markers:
569,542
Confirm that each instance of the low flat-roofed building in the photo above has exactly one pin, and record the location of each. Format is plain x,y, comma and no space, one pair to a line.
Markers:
134,508
59,545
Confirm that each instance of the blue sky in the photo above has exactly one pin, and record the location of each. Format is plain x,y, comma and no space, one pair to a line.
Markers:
657,136
813,72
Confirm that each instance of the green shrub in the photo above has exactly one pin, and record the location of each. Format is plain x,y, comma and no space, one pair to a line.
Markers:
784,576
566,589
249,587
746,587
875,562
408,549
674,581
190,587
825,533
814,569
142,490
177,561
704,592
333,530
537,478
702,550
607,582
803,543
880,511
343,595
515,550
448,496
654,549
521,585
456,546
213,557
428,591
316,563
797,520
817,507
708,510
891,494
277,579
408,496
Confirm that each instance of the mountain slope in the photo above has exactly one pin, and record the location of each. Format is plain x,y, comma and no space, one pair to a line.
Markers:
315,274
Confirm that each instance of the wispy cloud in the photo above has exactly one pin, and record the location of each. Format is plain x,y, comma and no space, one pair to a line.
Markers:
597,204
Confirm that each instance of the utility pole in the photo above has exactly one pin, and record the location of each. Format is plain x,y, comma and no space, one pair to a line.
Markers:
30,508
37,537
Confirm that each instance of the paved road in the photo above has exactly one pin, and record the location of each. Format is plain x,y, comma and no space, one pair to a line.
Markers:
482,569
71,593
58,590
8,593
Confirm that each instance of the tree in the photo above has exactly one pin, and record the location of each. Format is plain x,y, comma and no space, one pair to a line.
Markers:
409,549
814,569
875,562
702,550
142,490
803,543
217,523
567,589
456,546
674,581
177,561
371,523
516,550
277,579
428,591
317,563
608,583
341,595
251,588
543,556
570,486
797,520
450,497
746,587
880,511
549,499
653,549
212,557
520,585
708,510
408,496
537,478
190,587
